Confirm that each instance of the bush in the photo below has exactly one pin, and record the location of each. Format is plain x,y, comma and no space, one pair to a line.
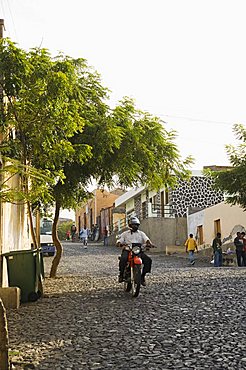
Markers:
63,228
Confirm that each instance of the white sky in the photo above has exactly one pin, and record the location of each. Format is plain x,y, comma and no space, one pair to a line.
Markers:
183,60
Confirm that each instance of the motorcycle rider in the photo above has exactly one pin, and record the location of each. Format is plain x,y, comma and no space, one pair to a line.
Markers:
134,236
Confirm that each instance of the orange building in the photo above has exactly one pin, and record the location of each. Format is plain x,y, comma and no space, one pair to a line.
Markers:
97,210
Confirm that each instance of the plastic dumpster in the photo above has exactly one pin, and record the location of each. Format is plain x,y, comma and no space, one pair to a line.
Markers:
25,270
40,261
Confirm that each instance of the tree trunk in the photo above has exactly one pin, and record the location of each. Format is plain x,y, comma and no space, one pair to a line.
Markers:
4,339
34,238
56,242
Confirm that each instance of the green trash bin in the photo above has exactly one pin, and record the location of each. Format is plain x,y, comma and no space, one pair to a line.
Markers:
25,270
40,262
40,270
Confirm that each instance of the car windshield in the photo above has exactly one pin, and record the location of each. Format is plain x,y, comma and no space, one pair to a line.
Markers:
46,227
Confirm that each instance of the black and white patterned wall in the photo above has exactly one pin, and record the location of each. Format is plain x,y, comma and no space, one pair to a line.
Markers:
198,193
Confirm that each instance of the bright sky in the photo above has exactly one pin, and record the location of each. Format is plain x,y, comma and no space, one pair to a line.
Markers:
182,60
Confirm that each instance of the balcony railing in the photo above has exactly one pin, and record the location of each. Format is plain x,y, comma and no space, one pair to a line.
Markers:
154,210
118,226
159,210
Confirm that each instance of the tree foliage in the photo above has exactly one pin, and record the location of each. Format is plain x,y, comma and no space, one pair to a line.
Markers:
63,227
58,122
233,180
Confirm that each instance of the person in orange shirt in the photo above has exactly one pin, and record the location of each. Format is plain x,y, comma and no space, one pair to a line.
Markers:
190,247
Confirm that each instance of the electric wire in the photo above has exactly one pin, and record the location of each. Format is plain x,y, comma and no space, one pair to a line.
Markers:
197,119
3,10
12,20
6,10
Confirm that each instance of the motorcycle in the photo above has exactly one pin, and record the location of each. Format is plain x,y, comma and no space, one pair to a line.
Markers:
133,269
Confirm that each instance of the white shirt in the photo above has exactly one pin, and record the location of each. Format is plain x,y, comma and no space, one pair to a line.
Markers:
129,237
83,233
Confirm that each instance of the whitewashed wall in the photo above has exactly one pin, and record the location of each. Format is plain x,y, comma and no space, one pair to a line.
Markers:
15,230
194,220
232,219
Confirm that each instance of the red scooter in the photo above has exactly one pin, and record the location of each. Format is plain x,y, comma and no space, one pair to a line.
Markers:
133,269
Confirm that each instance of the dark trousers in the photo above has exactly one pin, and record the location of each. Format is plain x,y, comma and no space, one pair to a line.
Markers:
218,258
147,262
239,253
244,258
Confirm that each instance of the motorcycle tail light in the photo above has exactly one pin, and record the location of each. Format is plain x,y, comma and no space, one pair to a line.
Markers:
136,250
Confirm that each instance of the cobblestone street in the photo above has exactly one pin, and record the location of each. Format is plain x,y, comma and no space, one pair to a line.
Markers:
186,317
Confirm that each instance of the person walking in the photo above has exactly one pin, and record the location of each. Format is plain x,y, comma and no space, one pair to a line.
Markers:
83,235
238,242
73,232
68,235
105,236
217,249
190,247
244,247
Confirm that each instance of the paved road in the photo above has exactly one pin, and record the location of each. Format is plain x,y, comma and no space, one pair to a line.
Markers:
186,318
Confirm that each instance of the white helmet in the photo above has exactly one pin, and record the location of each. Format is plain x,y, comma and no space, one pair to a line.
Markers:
133,220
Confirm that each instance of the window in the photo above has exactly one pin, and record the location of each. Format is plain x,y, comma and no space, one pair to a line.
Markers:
166,197
155,202
45,226
217,227
200,234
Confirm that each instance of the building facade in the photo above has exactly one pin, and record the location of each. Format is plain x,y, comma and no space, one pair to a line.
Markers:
97,211
188,196
222,218
163,213
14,230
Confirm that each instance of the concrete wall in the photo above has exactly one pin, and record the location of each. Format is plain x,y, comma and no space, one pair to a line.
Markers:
232,219
10,296
195,220
14,229
163,231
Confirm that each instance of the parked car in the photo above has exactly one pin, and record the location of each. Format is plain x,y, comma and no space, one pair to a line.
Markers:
46,240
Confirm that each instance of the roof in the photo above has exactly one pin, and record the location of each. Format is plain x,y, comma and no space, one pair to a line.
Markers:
196,173
128,195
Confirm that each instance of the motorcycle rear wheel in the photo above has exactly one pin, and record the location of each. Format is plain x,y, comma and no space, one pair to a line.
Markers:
136,281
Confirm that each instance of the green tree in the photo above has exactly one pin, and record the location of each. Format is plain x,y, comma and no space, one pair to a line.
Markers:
63,128
43,99
128,147
62,229
233,180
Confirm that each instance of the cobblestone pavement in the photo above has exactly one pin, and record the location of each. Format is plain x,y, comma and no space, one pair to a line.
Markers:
186,317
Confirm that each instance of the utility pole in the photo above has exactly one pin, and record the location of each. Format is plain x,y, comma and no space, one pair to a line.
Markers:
1,28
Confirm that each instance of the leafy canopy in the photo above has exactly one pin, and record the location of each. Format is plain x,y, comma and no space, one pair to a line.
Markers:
233,180
44,100
62,126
